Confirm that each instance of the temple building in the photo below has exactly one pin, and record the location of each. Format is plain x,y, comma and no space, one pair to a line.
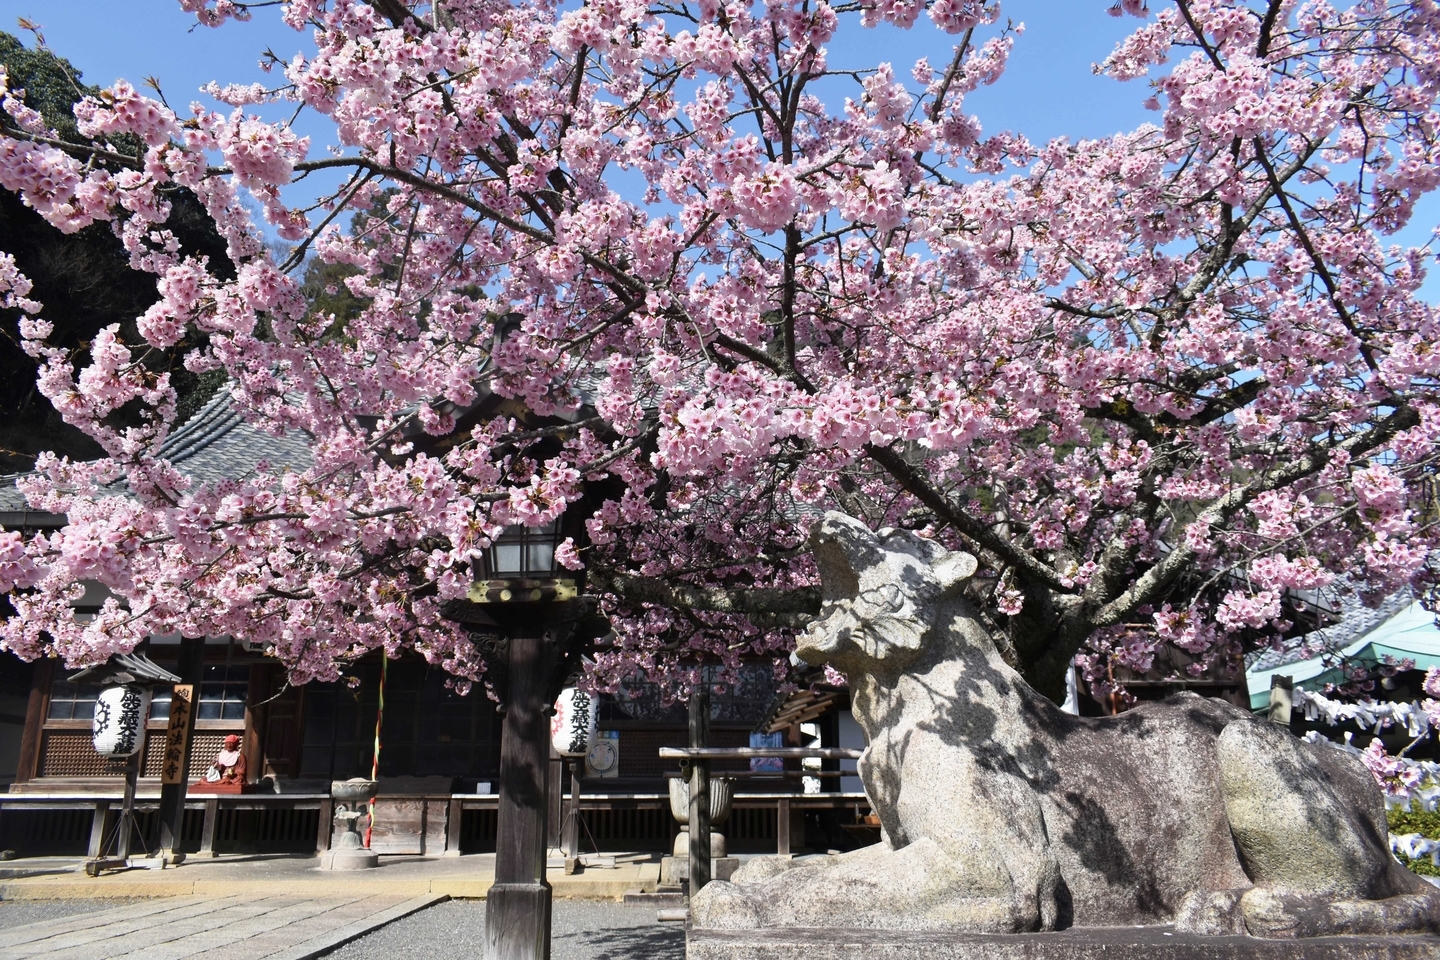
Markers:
439,751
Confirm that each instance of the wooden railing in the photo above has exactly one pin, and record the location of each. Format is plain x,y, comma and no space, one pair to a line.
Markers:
104,809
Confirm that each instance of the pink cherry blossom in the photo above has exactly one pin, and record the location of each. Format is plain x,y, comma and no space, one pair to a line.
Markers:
697,285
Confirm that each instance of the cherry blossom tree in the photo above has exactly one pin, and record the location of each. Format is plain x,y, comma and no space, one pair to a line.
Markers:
1153,381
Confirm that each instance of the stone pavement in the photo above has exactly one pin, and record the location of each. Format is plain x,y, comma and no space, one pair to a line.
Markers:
579,930
302,877
237,927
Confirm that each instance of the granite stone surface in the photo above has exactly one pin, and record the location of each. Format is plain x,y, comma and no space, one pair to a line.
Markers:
1003,814
1149,943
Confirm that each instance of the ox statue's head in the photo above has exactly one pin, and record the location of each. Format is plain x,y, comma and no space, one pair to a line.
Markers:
881,593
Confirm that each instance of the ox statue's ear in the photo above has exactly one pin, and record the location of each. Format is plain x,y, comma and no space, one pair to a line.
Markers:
843,546
955,568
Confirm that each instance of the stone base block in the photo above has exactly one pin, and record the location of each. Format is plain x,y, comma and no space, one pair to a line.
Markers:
681,849
342,859
676,870
1094,943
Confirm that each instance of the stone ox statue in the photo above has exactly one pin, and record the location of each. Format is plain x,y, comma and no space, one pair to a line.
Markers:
1002,813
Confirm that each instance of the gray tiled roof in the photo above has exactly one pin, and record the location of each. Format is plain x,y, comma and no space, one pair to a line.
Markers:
1356,620
215,444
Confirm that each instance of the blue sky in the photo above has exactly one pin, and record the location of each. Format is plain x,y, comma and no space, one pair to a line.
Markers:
1049,89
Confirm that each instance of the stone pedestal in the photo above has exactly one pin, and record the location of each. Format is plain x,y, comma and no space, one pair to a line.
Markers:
359,858
1093,943
676,870
350,852
681,847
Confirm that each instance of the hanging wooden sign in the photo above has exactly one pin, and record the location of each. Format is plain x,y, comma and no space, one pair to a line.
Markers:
182,703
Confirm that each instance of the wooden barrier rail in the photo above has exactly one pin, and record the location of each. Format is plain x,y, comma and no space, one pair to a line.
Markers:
784,803
787,753
104,809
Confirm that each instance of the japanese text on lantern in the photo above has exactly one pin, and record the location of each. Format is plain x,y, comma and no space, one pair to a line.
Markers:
173,770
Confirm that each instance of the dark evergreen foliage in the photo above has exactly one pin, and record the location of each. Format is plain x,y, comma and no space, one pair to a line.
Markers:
84,280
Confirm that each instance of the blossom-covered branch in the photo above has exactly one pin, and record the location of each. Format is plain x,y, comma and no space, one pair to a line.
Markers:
1155,379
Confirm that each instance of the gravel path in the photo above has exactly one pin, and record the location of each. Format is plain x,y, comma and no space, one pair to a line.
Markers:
15,913
581,930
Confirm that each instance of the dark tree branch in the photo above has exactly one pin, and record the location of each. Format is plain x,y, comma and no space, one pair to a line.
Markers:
744,601
1149,586
982,535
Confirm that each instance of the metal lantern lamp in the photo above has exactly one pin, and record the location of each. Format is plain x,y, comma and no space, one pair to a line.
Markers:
118,731
520,567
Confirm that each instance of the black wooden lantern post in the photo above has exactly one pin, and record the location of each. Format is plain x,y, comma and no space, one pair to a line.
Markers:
542,623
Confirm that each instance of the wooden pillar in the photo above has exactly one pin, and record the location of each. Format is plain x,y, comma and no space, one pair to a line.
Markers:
454,817
325,829
207,828
172,795
699,789
570,833
127,810
782,827
99,826
33,737
829,724
517,907
555,800
252,741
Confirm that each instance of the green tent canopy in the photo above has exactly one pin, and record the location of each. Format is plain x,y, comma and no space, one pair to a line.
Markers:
1404,630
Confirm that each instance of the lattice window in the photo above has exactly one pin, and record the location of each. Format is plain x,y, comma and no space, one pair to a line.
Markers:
429,730
69,753
640,751
72,701
222,693
740,696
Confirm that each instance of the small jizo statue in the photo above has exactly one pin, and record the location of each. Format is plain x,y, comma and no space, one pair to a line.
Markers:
227,773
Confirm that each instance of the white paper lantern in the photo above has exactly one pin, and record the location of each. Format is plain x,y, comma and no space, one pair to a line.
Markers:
573,726
119,725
